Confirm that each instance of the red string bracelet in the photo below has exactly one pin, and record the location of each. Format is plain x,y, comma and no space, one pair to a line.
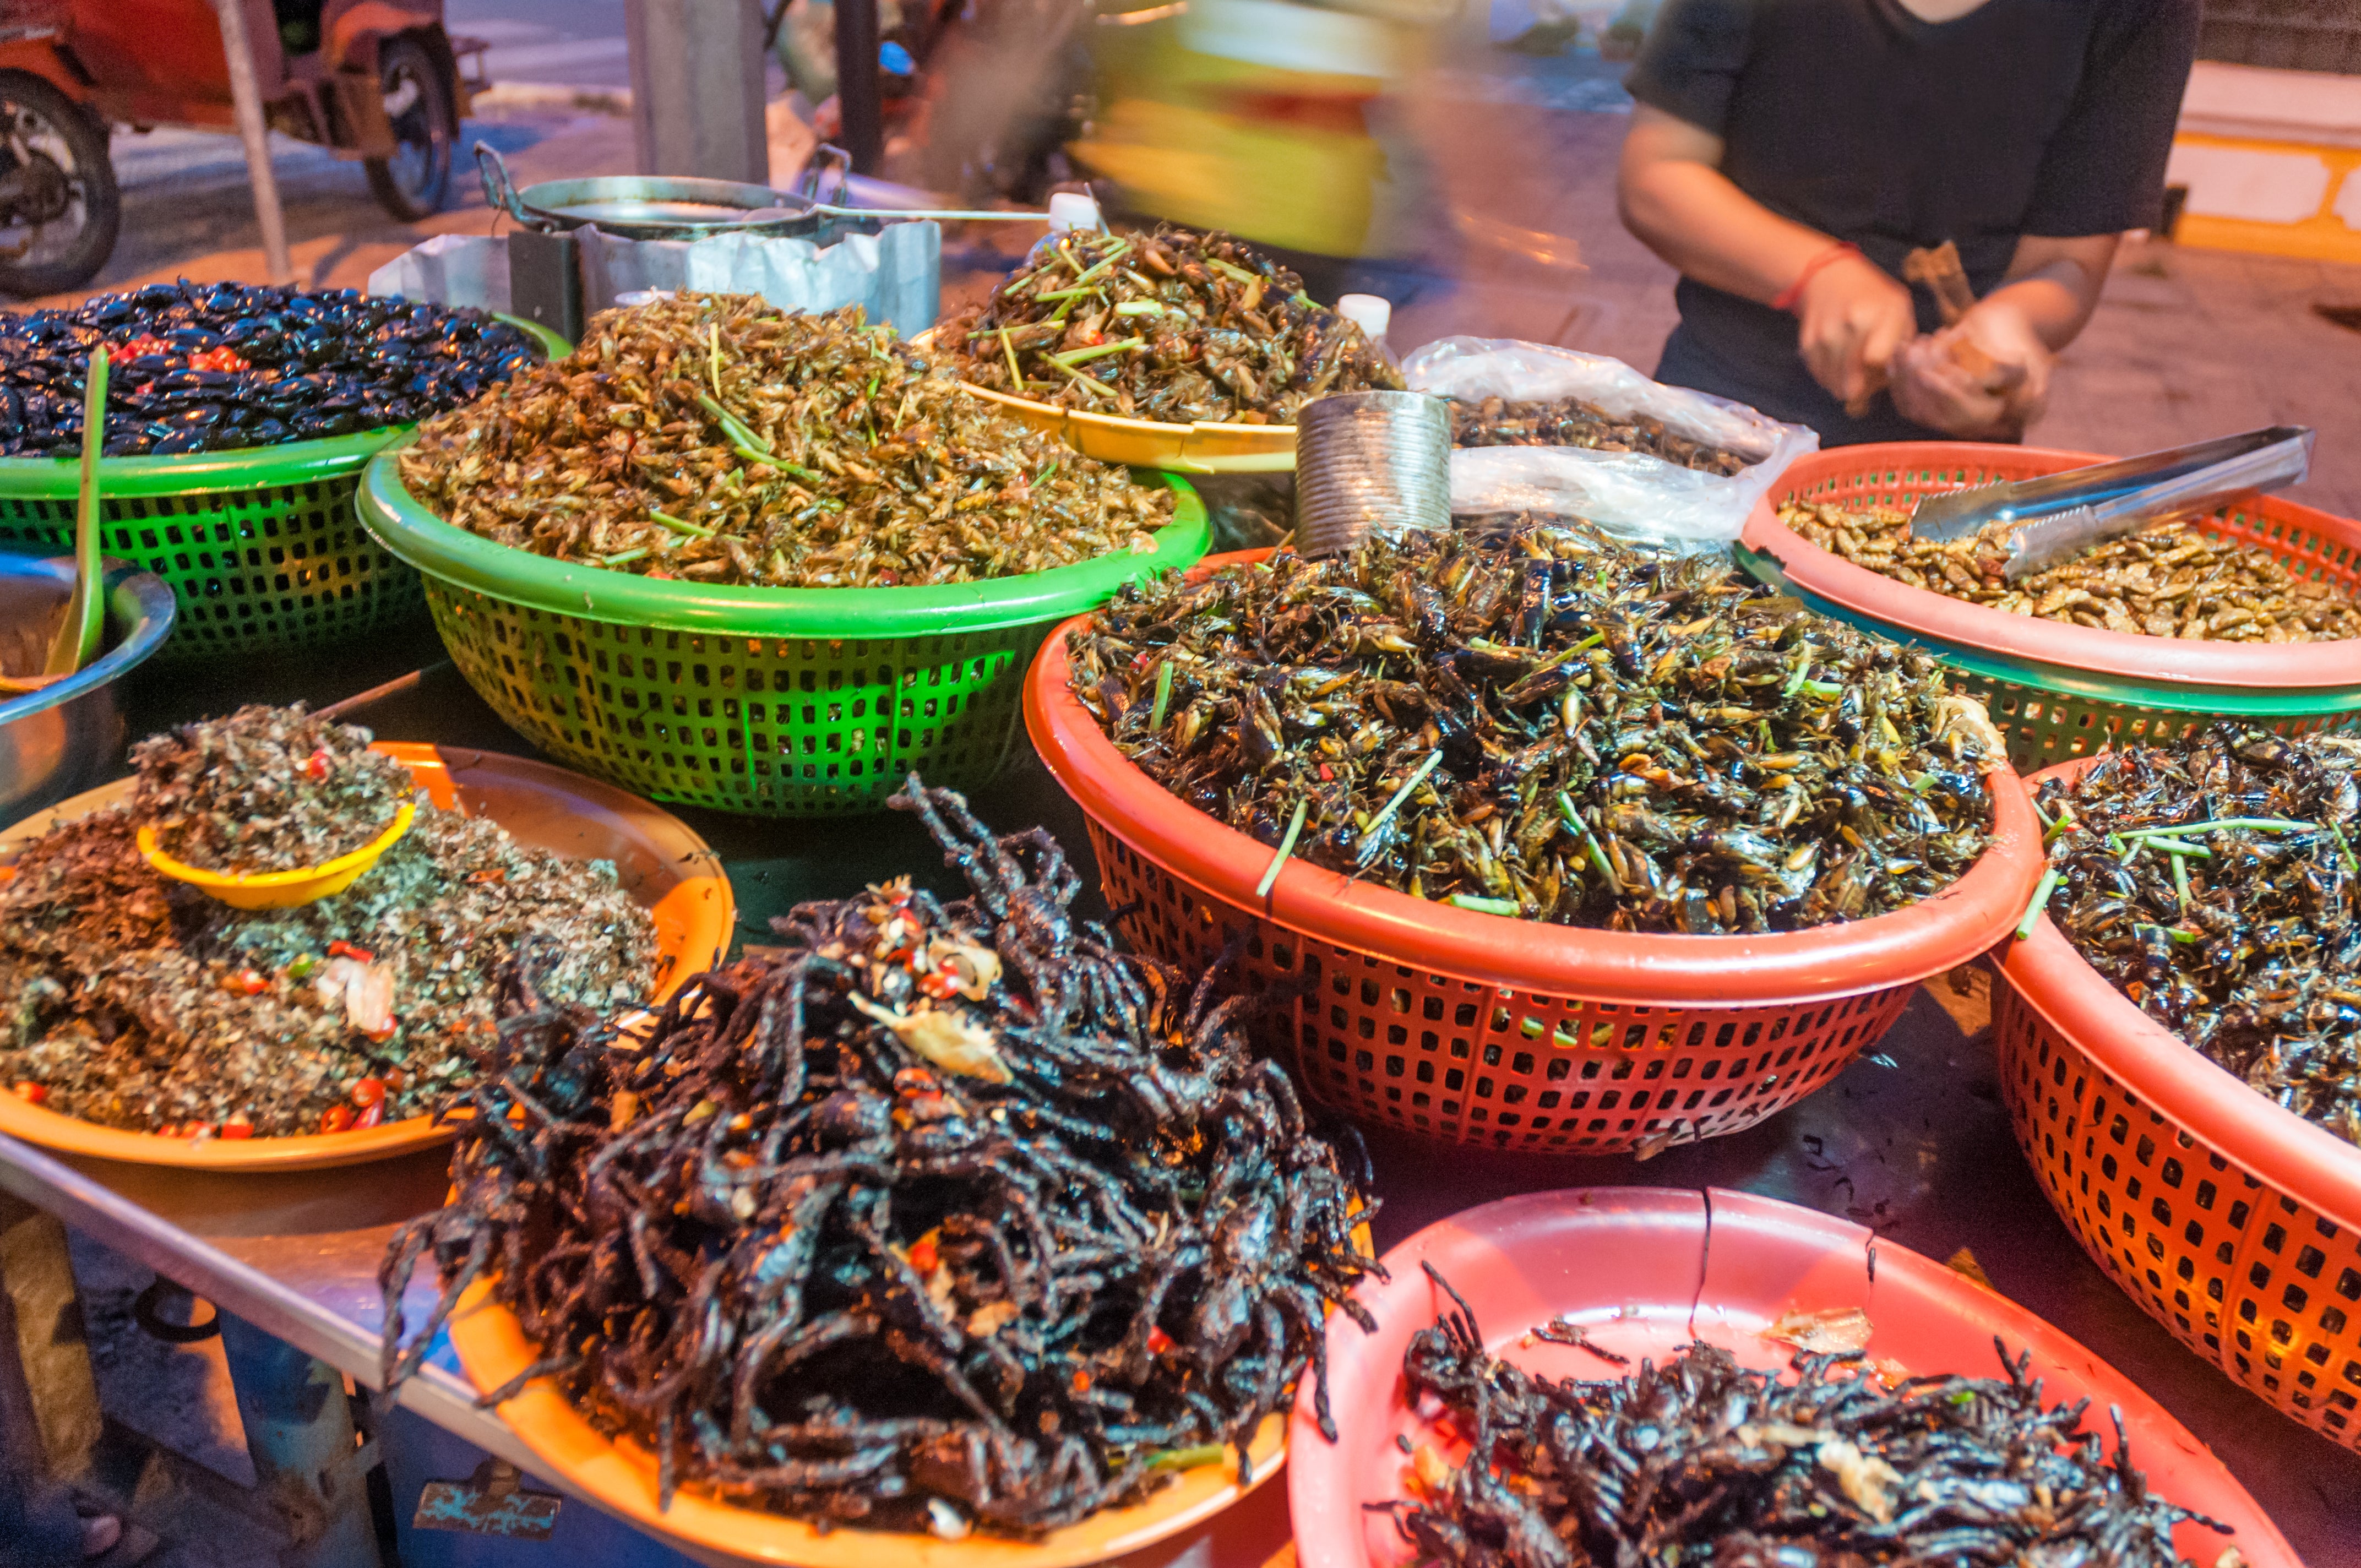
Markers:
1795,291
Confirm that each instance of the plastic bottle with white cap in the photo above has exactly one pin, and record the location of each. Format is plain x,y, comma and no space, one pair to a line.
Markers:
1071,209
1372,313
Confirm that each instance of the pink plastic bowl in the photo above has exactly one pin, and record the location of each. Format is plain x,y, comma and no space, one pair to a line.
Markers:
1632,1266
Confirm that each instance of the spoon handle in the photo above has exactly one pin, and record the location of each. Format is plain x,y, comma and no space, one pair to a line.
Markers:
78,639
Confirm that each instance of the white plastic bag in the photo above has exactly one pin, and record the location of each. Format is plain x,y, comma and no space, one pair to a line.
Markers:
1629,492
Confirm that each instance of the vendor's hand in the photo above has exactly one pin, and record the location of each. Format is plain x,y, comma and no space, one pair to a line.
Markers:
1985,379
1854,317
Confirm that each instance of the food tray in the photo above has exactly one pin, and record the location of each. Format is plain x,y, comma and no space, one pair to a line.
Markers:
2234,1222
663,865
620,1476
1479,1029
2058,690
787,702
259,543
1646,1270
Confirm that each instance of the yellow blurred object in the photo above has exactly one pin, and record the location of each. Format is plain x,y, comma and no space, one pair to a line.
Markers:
1252,116
278,889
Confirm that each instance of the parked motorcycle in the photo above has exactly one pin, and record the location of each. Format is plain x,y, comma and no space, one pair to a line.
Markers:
376,81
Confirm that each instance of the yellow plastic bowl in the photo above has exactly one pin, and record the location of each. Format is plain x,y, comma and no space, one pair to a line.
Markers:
280,890
1200,448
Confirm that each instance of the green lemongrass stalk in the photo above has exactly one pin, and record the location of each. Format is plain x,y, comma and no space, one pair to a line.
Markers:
1374,836
1286,848
1591,841
1163,695
680,525
1074,356
1188,1458
1484,905
2041,891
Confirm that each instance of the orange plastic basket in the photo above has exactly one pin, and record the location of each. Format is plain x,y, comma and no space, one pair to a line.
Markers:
2056,689
1518,1034
2232,1220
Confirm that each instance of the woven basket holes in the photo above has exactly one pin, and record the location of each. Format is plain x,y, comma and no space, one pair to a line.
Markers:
802,726
285,567
1467,1063
2247,1276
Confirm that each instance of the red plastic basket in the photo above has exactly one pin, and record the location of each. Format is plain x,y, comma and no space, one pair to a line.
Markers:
2235,1223
1644,1271
1518,1034
2058,690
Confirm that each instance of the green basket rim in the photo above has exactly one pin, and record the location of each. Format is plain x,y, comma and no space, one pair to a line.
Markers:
2056,680
235,469
452,557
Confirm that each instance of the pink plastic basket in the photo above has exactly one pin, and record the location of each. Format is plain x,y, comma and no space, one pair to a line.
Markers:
1644,1271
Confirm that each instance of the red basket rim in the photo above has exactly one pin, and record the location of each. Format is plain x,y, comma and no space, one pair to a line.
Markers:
2172,1077
1646,969
2269,665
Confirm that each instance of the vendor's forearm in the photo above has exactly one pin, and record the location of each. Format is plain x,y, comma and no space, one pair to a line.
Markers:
1696,220
2056,283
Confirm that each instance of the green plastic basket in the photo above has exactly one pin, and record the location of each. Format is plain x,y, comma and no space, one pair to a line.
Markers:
2058,692
776,702
260,545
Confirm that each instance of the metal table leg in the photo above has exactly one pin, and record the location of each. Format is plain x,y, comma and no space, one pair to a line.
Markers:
307,1460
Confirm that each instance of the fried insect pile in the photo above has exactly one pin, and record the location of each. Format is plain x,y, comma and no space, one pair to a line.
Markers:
2216,882
1544,722
1570,421
265,789
1173,326
1703,1459
945,1215
717,438
2171,581
139,1003
209,367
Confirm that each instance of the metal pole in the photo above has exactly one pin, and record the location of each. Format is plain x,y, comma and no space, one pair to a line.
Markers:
858,98
246,93
307,1461
697,88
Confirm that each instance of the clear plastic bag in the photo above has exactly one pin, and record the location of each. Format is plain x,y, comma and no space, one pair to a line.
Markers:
1629,492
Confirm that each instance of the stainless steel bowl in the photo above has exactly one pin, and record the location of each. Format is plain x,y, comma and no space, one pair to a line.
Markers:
67,736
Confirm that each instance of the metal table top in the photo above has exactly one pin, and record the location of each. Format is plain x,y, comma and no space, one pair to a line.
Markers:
1912,1141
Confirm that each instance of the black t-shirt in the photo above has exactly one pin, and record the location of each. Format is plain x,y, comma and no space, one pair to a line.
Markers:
2049,117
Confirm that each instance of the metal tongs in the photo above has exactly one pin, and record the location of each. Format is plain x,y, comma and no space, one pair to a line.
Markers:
2065,514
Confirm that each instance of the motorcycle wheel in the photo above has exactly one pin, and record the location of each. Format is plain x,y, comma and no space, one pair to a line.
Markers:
61,228
412,184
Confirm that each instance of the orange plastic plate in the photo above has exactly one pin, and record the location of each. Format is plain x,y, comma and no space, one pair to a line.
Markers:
1645,1270
664,867
621,1476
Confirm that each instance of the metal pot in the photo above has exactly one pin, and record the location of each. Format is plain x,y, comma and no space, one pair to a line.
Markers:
67,736
652,206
